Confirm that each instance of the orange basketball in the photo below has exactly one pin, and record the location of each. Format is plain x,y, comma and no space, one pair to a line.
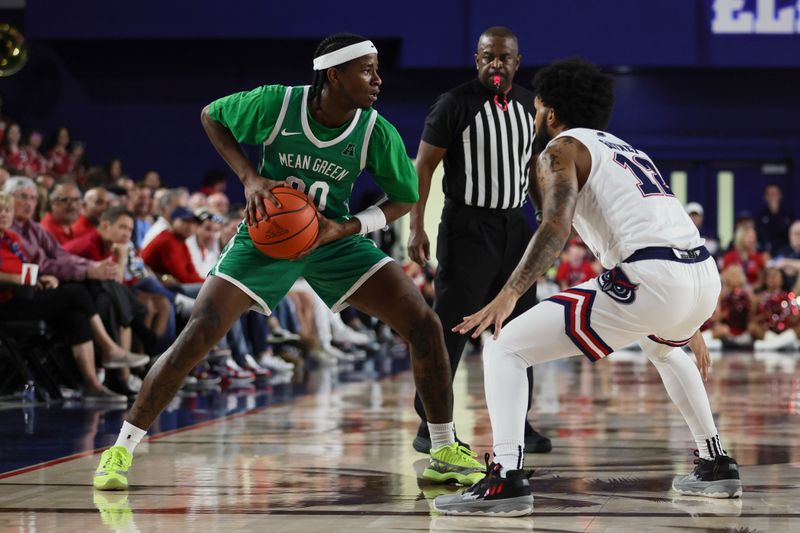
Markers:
290,229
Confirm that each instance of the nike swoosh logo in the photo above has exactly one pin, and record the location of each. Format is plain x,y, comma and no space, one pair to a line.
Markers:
289,133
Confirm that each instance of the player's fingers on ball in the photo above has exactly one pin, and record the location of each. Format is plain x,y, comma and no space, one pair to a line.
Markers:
250,214
272,198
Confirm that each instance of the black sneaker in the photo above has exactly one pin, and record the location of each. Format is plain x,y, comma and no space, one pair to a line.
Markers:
716,478
535,442
492,496
422,442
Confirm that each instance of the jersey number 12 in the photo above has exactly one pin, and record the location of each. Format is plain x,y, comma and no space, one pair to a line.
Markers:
650,181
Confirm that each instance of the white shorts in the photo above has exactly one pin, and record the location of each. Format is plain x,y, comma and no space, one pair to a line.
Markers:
661,300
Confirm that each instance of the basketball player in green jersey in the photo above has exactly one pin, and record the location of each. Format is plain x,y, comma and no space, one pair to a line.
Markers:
317,139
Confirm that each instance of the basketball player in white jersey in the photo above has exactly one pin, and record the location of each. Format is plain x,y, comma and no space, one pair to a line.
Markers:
661,285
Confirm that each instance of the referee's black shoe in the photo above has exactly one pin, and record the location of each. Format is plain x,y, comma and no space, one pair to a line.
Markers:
535,442
422,442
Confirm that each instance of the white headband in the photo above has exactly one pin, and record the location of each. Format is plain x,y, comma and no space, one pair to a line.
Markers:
343,55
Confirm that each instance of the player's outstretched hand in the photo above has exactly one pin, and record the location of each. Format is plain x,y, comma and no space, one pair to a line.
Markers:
698,345
494,314
256,189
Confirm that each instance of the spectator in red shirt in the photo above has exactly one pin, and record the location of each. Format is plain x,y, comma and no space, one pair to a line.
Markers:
68,308
111,240
575,267
745,254
42,246
37,163
95,203
14,156
168,253
112,233
65,202
117,305
60,160
775,318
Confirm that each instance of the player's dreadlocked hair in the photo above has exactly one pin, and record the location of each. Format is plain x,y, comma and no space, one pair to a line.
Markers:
329,44
579,93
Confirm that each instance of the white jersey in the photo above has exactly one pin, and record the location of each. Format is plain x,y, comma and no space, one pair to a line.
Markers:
625,204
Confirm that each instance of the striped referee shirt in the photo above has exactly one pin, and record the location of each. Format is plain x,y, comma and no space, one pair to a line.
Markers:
488,150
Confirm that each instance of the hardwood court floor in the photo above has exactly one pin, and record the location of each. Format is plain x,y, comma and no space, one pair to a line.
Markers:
341,460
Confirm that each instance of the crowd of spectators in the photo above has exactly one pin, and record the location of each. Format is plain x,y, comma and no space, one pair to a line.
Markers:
121,261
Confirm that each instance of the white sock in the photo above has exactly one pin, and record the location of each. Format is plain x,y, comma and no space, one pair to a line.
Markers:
710,448
508,455
685,387
506,385
130,436
441,435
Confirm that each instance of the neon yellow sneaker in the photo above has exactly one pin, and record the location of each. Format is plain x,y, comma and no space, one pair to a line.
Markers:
454,462
112,472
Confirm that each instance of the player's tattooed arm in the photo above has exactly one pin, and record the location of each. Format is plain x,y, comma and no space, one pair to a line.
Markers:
558,182
534,193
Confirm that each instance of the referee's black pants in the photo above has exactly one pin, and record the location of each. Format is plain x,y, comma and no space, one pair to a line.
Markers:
477,250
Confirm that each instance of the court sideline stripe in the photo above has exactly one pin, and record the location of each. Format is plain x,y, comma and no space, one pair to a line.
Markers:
198,425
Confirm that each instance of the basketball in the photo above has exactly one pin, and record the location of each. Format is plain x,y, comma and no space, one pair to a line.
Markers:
290,229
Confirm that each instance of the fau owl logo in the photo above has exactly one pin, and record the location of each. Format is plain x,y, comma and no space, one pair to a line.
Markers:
768,17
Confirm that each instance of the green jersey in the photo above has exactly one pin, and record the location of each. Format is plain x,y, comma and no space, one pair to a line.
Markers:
322,162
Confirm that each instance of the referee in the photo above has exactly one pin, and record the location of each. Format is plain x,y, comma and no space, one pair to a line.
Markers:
483,130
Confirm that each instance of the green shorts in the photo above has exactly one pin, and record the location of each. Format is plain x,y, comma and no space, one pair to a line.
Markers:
334,271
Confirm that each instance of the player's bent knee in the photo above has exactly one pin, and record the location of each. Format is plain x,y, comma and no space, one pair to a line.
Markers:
423,326
496,350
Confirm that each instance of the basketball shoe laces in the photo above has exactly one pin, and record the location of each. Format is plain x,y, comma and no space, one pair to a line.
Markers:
114,461
492,472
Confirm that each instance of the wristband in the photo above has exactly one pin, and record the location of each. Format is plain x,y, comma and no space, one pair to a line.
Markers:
372,219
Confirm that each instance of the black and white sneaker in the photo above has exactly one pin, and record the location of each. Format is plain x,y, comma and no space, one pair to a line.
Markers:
492,496
714,478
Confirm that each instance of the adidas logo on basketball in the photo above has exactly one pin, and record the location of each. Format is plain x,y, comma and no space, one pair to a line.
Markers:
275,230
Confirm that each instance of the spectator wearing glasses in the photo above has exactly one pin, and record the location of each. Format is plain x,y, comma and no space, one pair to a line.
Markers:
41,248
67,308
65,203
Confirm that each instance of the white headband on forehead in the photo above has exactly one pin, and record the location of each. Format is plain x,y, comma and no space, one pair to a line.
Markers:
343,55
